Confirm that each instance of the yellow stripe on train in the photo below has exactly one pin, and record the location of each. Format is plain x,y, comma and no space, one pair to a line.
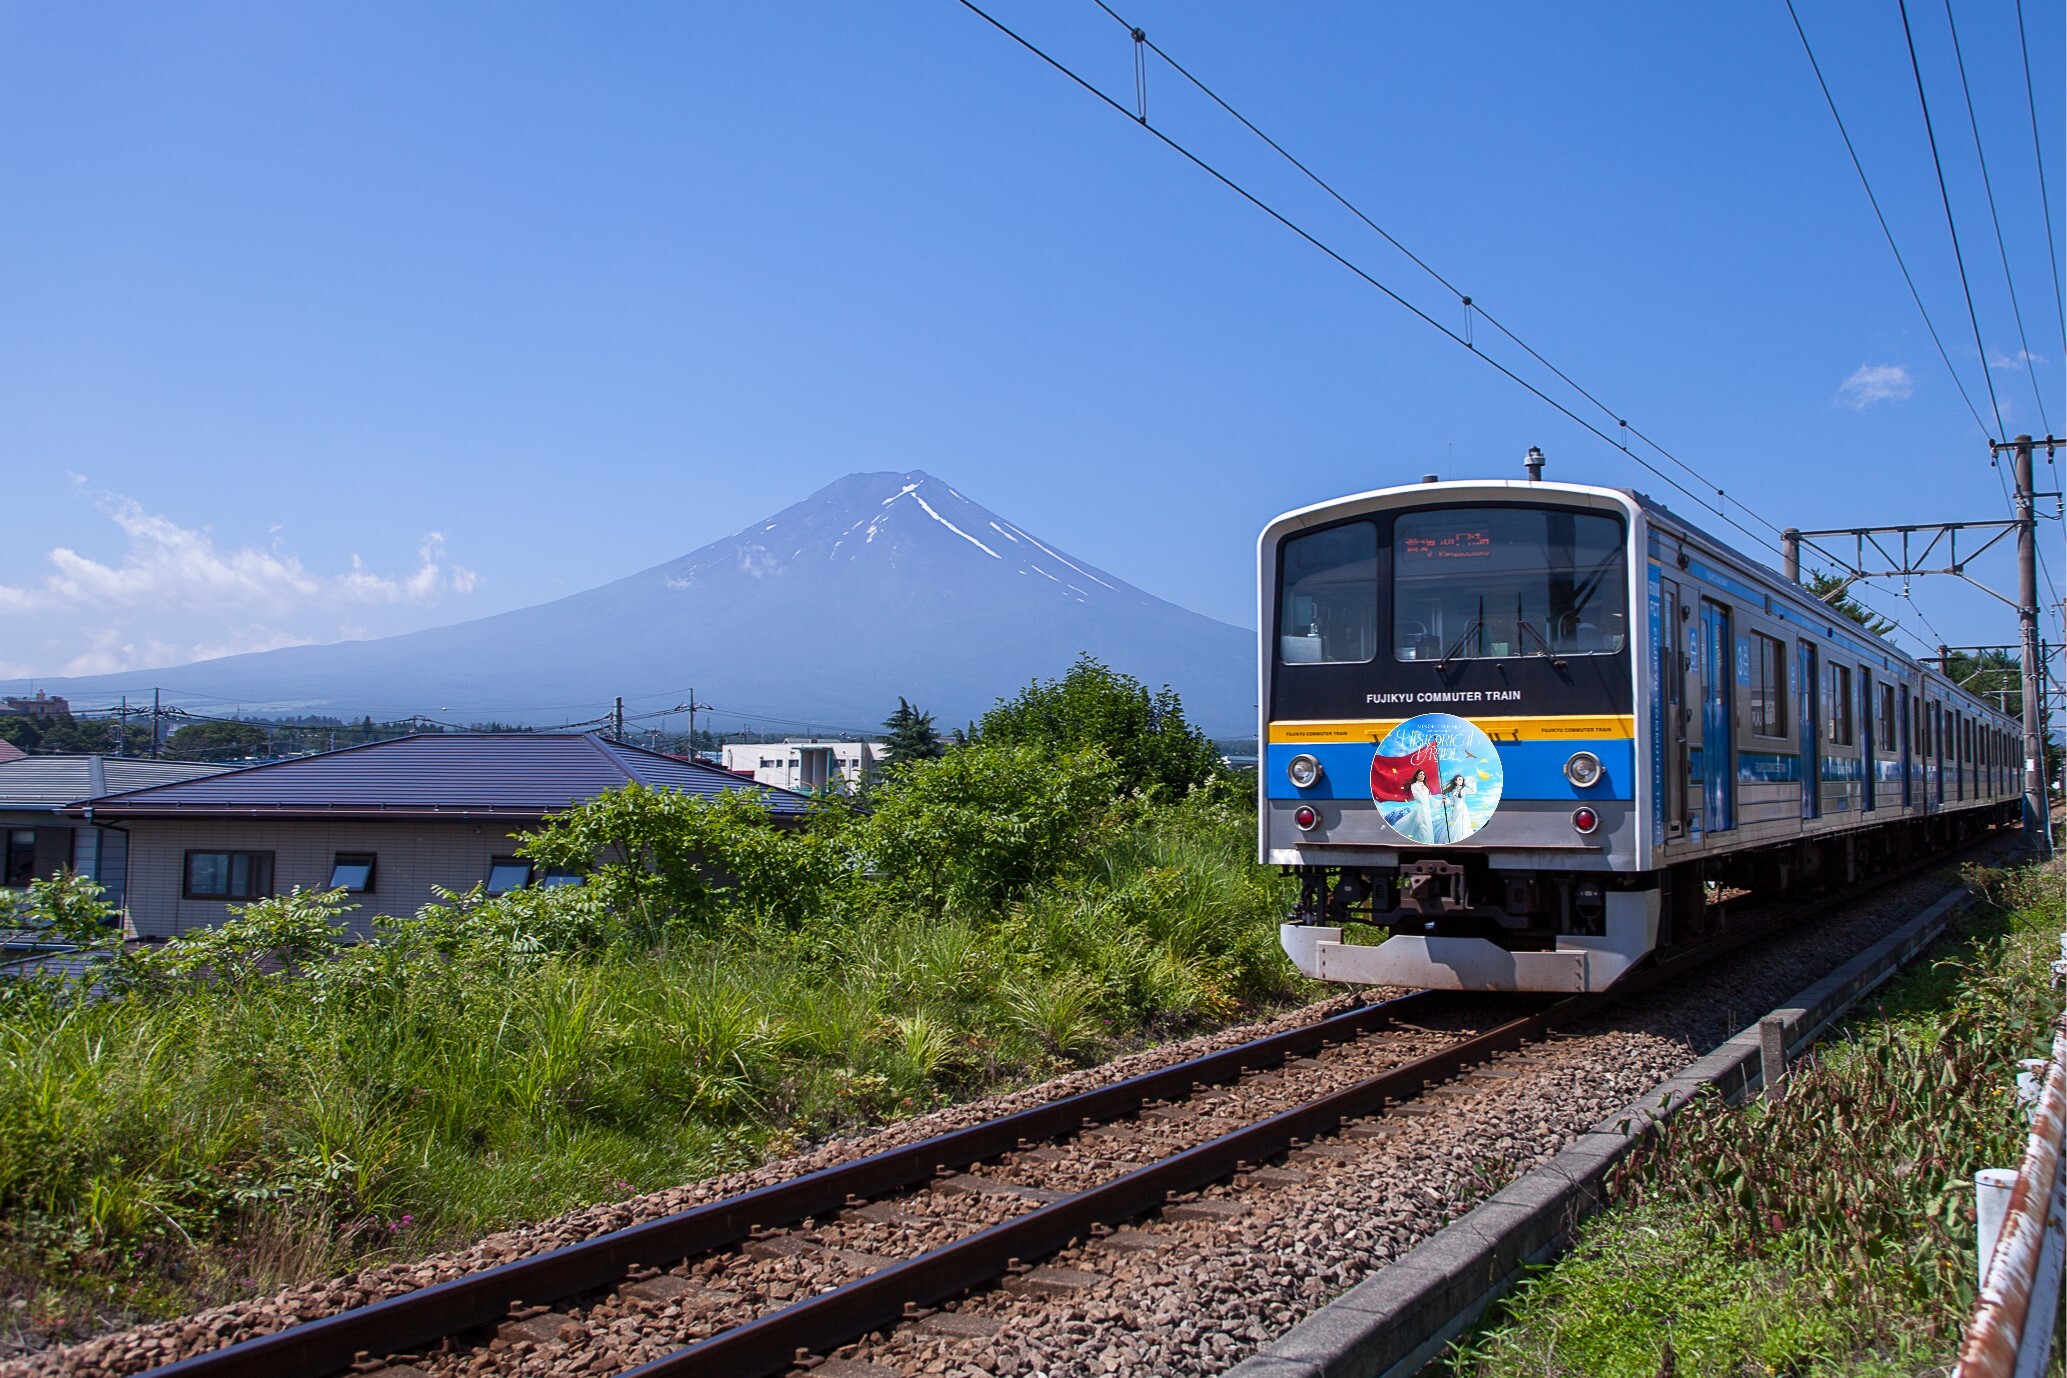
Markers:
1570,728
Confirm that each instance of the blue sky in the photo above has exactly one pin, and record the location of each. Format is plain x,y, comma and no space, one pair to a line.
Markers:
336,320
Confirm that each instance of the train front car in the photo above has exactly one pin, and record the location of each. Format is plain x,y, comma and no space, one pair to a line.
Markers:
1449,735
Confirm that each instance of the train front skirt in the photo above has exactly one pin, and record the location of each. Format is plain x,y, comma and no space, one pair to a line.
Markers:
1579,963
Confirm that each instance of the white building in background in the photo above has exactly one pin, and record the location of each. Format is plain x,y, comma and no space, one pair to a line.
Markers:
806,764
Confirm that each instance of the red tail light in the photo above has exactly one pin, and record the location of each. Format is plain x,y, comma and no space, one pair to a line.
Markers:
1305,817
1585,820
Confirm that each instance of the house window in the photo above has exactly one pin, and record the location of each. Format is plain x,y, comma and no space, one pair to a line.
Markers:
1768,687
229,875
1837,709
352,871
507,873
560,875
21,857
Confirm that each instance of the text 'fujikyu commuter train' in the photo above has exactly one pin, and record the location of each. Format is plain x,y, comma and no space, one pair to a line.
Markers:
1519,735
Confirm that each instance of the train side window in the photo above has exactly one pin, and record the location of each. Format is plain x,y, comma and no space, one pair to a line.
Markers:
1837,706
1768,687
1884,718
1328,604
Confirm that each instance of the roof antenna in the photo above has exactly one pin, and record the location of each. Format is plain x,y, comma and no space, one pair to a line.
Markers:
1534,464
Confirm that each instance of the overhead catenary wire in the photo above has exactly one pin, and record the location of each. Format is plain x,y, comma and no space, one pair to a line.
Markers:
1886,231
1951,225
1370,280
1281,218
1995,219
1473,308
2045,200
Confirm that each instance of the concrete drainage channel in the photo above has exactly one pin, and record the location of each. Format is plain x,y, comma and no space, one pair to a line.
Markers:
1395,1322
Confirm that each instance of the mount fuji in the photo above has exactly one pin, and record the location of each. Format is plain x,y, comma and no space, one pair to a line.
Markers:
876,586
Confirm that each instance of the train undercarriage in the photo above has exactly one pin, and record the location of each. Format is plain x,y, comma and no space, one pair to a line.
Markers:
1450,920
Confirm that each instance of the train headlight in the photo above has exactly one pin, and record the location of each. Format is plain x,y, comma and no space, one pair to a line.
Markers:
1305,817
1303,771
1583,769
1585,820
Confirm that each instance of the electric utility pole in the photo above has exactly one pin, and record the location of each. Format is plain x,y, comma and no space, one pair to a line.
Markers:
2035,799
617,720
1906,552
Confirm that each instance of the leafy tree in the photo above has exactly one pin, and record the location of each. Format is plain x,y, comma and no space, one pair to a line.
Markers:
671,863
1826,587
21,730
1151,745
981,826
908,736
217,741
1992,675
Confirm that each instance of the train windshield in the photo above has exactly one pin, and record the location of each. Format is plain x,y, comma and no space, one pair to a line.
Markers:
1491,582
1329,611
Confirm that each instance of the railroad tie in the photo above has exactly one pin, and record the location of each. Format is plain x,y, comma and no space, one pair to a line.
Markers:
1052,1282
960,1325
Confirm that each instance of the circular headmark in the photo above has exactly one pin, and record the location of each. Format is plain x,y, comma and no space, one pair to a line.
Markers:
1436,779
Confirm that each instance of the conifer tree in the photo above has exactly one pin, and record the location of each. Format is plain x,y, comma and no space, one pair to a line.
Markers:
908,736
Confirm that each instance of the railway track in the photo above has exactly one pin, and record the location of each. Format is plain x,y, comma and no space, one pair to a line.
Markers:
764,1281
1085,1135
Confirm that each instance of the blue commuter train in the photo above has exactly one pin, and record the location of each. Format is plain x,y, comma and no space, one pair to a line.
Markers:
1521,735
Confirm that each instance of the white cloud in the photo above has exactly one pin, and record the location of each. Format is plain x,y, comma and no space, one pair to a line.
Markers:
2015,362
1875,383
167,566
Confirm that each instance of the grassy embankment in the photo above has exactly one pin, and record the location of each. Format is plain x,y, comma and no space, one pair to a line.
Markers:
1832,1232
210,1124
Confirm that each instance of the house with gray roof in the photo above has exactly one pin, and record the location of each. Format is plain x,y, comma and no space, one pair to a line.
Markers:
42,840
385,820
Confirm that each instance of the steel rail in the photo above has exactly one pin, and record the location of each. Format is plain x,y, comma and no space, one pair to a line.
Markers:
772,1343
399,1324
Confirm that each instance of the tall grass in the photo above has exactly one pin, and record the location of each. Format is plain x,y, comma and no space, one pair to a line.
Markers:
209,1122
1832,1231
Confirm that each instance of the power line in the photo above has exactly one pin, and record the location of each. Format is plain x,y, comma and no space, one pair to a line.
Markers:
1472,307
1373,282
2045,201
1284,220
1881,216
1945,197
2016,309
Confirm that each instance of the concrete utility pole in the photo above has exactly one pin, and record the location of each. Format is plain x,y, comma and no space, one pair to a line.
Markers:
2035,811
617,720
1790,555
154,724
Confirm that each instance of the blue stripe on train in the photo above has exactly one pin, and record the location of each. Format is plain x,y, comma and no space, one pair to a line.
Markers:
1533,770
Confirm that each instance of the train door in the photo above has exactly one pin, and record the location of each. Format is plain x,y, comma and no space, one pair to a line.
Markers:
1808,704
1938,754
1903,726
1869,738
1718,716
1672,683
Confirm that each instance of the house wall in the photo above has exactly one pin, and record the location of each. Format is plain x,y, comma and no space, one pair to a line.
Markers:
782,764
96,853
411,857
